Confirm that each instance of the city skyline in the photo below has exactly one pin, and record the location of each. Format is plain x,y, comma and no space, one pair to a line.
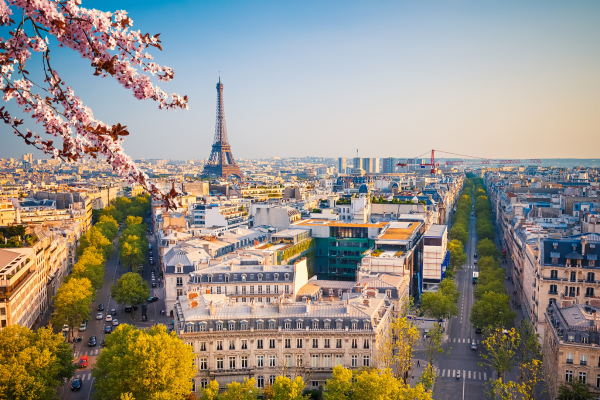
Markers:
390,75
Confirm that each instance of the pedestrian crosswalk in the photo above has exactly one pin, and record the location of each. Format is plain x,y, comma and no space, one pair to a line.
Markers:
470,266
452,373
90,352
85,377
463,340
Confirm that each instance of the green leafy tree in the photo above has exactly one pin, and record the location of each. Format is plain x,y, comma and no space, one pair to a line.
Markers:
95,238
433,349
130,289
492,310
575,390
285,388
396,346
460,233
33,364
441,304
91,266
150,364
72,303
131,254
487,248
458,257
108,226
111,211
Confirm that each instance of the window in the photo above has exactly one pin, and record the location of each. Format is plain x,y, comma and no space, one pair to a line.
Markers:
218,289
179,292
179,281
219,362
259,325
553,289
287,277
243,326
203,383
338,360
231,362
260,361
573,276
298,360
244,361
583,359
260,381
202,346
569,358
568,376
298,324
260,289
326,325
598,381
327,361
276,276
251,289
298,343
232,345
554,273
288,344
570,338
243,290
366,325
315,325
219,345
244,344
355,361
355,343
366,361
591,277
226,278
259,343
366,344
582,377
271,324
591,263
354,325
260,277
338,343
326,344
219,326
338,325
271,380
315,343
271,361
288,325
315,361
202,327
203,364
287,289
271,343
268,289
554,260
288,360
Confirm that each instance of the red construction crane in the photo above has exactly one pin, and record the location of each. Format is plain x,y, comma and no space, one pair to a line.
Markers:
471,161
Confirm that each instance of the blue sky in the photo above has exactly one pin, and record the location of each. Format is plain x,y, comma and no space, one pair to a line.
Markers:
390,78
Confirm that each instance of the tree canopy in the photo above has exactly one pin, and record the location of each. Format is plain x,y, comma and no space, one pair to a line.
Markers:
130,289
150,364
492,310
72,302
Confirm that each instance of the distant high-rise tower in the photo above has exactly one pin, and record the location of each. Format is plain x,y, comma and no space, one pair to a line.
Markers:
221,162
342,165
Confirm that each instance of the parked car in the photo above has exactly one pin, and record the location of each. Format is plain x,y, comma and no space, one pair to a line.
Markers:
76,384
83,326
151,262
115,322
92,341
473,346
475,255
113,312
152,299
153,284
127,309
65,328
108,318
99,316
101,307
475,262
83,361
108,330
77,339
478,330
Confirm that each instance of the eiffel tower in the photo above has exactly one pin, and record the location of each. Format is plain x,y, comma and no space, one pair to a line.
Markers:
221,162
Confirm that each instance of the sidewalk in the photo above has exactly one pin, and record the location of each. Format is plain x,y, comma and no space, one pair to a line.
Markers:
416,371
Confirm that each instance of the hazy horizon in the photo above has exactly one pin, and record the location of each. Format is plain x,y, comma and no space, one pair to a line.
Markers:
391,78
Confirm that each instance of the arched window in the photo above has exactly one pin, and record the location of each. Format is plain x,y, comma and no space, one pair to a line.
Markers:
260,277
260,381
276,276
227,278
203,383
271,380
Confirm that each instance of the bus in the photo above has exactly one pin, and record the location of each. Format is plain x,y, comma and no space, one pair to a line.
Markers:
475,277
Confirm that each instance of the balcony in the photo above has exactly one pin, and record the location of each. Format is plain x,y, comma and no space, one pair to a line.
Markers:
569,361
582,362
553,292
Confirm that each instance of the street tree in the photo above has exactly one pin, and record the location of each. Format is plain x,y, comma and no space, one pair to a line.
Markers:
241,391
397,344
33,364
148,363
433,349
339,385
501,349
108,226
130,289
441,304
285,388
575,390
114,49
95,238
458,257
460,233
131,255
211,391
487,248
91,266
72,303
492,310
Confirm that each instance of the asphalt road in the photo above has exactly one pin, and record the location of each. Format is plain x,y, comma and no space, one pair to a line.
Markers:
459,337
95,327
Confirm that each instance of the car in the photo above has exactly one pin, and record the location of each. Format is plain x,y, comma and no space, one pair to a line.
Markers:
473,346
153,284
152,299
101,307
76,384
475,255
108,329
83,361
151,254
65,328
478,330
77,339
127,309
151,262
113,312
83,326
92,341
99,316
475,262
108,318
115,322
